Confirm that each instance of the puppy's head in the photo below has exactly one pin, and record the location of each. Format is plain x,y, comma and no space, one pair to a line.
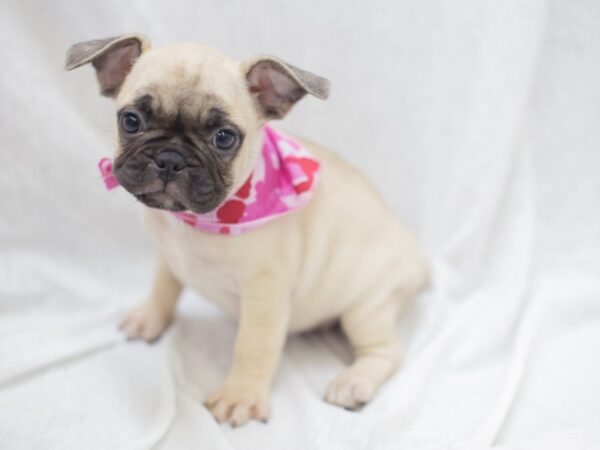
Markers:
189,116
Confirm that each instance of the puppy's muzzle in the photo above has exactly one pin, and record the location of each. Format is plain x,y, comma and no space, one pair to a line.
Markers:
168,164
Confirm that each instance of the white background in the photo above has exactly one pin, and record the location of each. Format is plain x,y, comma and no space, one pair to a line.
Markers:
479,120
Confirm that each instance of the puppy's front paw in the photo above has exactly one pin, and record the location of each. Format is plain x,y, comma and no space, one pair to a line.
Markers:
350,390
147,321
239,401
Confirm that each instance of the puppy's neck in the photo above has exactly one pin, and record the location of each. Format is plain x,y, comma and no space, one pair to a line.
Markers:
249,159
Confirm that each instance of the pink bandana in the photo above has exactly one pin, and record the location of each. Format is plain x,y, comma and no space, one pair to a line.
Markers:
283,181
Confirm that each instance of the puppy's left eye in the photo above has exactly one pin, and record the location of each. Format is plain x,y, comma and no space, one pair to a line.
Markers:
225,139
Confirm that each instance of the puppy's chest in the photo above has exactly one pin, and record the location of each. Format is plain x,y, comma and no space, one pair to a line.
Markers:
201,261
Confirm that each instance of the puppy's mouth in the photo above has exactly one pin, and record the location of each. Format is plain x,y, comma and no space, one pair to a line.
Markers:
192,189
160,200
177,196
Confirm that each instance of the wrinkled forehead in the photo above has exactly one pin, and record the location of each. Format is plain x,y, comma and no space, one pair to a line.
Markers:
183,117
188,81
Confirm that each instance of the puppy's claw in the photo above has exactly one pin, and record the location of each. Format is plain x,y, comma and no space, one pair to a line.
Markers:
240,415
350,391
237,404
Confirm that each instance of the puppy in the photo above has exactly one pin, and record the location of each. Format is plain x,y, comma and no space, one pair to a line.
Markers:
192,139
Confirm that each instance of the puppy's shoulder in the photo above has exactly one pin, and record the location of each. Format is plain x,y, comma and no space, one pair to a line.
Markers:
342,180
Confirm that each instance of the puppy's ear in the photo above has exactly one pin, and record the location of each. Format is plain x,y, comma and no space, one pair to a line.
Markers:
112,58
276,85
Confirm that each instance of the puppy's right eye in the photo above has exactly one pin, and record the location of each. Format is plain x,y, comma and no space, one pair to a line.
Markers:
131,123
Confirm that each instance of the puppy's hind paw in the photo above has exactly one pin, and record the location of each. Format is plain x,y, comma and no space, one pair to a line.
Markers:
350,391
147,321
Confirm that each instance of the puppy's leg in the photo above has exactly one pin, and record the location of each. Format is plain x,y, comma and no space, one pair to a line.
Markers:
149,319
371,329
264,314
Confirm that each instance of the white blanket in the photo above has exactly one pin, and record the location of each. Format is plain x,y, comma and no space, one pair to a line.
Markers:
478,119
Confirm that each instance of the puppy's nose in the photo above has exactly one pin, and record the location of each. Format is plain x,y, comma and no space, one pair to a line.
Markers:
168,164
